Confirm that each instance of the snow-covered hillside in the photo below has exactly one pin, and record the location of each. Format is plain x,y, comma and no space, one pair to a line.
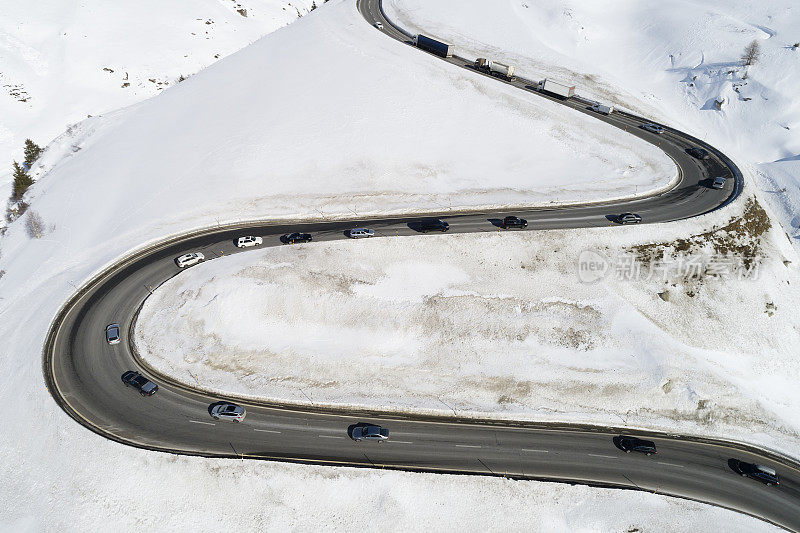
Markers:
61,60
669,60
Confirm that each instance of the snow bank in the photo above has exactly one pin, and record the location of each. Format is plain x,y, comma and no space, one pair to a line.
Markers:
499,324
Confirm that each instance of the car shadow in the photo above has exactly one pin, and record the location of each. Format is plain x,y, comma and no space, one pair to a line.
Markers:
613,218
733,464
351,427
616,440
213,405
708,183
417,225
496,222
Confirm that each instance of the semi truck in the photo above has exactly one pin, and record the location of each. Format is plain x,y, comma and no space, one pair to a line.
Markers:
433,46
494,68
557,88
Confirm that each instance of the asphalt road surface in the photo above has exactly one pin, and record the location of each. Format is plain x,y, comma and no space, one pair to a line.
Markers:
83,372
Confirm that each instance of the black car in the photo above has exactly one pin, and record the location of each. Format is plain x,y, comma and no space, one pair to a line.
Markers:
513,222
633,444
433,225
764,474
139,382
291,238
699,153
629,218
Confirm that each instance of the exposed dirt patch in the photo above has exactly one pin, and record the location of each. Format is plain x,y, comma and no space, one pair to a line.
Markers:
741,237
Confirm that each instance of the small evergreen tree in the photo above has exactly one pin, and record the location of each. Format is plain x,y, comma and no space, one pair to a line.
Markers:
313,5
32,152
21,181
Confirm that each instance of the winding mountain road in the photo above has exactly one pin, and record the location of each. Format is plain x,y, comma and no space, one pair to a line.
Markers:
83,371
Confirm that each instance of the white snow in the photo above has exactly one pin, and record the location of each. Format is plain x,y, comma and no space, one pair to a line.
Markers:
315,119
495,324
127,490
61,60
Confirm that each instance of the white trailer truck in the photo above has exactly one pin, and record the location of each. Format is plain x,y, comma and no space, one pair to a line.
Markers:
557,88
494,68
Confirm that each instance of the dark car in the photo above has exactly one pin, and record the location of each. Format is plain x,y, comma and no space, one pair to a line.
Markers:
629,218
633,444
764,474
513,222
699,153
433,225
369,432
291,238
139,382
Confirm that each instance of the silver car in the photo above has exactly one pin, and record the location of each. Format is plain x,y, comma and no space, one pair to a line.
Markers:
629,218
718,183
189,259
228,411
112,334
379,25
360,233
370,432
653,128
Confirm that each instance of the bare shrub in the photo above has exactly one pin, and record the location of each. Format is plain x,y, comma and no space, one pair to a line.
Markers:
35,225
751,53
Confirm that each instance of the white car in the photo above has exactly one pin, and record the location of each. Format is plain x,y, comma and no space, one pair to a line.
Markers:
187,260
247,242
379,25
228,411
359,233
